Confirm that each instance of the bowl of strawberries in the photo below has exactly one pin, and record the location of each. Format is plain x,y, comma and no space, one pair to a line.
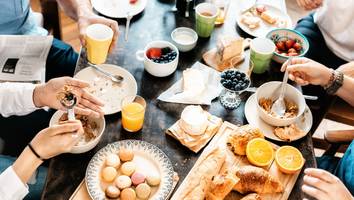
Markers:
288,43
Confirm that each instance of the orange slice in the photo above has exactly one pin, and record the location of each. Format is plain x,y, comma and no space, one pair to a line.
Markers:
259,152
289,159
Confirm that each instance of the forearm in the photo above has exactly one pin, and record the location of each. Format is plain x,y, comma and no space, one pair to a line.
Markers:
26,164
76,8
346,91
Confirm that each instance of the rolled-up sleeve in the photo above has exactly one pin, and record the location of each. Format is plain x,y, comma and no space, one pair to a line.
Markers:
16,99
11,186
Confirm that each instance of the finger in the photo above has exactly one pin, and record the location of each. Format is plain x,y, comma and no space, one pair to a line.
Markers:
314,192
88,112
92,98
299,80
292,77
301,68
89,105
283,67
65,127
321,174
76,82
317,183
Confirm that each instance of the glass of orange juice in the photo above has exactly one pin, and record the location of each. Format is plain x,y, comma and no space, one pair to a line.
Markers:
223,6
133,112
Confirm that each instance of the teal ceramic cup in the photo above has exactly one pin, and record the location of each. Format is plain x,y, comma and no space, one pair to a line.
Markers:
205,16
261,54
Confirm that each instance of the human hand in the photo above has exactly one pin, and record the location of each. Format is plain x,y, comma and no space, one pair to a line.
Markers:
305,71
57,139
309,4
323,185
46,95
88,19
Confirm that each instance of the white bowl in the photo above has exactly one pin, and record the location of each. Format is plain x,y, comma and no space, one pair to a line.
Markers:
158,69
101,123
181,35
271,90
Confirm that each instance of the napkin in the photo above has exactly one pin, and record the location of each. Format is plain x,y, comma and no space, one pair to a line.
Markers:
175,93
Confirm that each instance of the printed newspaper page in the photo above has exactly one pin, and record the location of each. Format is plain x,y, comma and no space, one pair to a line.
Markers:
23,58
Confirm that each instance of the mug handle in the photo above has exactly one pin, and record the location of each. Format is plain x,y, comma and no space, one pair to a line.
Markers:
140,55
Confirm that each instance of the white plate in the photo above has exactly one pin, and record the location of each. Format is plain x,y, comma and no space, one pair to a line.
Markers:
264,27
148,158
118,8
251,113
107,91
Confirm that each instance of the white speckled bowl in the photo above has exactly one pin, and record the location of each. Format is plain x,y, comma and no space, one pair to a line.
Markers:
184,46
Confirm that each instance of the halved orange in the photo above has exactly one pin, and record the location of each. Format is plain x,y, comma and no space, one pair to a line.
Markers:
289,159
259,152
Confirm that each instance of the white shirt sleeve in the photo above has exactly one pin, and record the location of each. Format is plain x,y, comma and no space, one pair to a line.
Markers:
11,186
16,99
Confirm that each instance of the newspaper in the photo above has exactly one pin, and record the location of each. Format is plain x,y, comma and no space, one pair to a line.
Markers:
23,58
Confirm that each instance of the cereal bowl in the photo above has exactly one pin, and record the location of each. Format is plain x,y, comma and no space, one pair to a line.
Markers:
271,90
83,146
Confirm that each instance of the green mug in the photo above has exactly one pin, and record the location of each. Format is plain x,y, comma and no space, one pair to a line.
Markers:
205,16
262,50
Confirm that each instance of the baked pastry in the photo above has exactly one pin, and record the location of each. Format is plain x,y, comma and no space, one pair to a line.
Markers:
252,196
109,174
112,160
237,140
250,20
153,179
229,51
112,192
193,120
123,182
128,168
201,178
221,185
289,133
126,154
128,194
138,178
193,81
268,17
255,179
143,191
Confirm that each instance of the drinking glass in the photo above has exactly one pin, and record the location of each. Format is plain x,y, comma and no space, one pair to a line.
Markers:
223,6
133,113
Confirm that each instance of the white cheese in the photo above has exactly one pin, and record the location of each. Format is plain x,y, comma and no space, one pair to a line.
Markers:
193,120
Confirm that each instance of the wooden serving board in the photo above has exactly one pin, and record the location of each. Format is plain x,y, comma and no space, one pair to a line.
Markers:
233,161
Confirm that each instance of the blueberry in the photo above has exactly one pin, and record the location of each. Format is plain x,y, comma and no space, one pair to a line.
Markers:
243,75
238,76
166,50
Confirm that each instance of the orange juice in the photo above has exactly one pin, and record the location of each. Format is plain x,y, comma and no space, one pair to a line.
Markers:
133,116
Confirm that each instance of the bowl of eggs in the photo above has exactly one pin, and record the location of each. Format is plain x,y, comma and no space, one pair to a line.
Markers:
129,169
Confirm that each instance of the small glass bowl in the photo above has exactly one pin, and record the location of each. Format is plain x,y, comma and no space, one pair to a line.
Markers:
230,98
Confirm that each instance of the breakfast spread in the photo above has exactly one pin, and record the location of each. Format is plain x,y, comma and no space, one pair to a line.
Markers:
235,80
195,128
161,55
290,112
288,47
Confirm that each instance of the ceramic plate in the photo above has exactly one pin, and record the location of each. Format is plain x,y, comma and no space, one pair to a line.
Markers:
118,8
251,113
265,27
148,159
103,88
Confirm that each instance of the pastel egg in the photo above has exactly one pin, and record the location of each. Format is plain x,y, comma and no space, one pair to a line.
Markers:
112,160
153,179
143,191
123,181
128,168
126,154
109,174
138,178
112,192
128,194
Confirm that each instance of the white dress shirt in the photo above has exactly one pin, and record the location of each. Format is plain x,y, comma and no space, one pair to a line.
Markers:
15,99
335,19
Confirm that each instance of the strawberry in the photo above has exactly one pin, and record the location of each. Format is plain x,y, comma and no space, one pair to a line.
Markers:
132,1
280,45
292,50
260,9
297,46
293,54
289,43
154,53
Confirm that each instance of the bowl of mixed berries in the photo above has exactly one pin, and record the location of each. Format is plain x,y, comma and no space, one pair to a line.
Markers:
288,43
160,58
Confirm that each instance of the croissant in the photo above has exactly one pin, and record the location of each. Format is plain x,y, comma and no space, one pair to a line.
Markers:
221,185
255,179
237,141
252,196
201,178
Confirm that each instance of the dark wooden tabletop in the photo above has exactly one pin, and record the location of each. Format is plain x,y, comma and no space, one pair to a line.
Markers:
156,23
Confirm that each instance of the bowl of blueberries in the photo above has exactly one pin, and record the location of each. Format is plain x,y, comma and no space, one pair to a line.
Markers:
234,82
160,58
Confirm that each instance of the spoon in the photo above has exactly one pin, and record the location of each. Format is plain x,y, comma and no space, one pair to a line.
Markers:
114,78
278,106
186,14
129,17
69,101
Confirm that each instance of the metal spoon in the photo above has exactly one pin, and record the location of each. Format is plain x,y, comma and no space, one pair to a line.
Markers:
114,78
129,17
69,102
278,106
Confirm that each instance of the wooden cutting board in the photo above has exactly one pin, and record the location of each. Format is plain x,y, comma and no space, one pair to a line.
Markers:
219,140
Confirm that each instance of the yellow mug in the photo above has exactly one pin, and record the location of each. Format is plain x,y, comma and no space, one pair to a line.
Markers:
98,40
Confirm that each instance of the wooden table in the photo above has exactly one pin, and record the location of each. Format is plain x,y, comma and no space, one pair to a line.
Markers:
156,23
